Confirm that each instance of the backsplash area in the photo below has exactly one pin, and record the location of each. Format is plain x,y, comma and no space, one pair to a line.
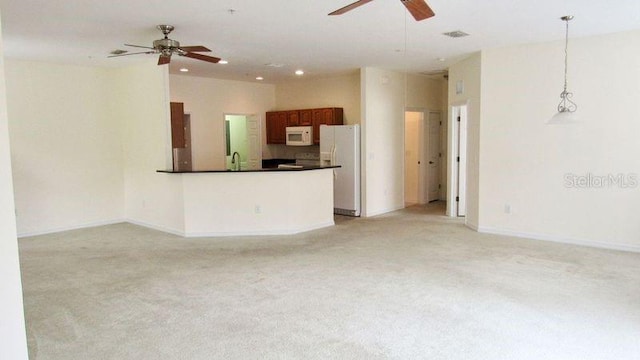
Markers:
287,152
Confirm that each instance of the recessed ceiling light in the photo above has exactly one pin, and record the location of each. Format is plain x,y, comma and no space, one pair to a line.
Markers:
259,78
299,72
223,62
441,59
184,70
455,34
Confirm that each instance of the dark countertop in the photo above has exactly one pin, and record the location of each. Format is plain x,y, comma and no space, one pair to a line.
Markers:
273,163
304,168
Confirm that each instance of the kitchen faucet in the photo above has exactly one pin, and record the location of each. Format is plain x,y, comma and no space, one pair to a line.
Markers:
233,160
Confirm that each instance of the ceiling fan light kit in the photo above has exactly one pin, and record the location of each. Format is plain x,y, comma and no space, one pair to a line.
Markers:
566,107
166,47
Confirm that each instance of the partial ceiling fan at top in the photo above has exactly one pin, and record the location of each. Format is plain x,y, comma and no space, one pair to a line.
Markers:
418,8
167,47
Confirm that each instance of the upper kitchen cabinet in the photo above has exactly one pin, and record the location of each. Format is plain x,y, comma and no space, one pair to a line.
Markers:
177,125
276,122
325,116
293,118
306,117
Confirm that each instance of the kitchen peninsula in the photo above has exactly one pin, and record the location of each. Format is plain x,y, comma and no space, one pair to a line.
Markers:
254,202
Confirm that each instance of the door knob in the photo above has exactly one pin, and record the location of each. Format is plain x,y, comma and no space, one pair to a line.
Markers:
430,162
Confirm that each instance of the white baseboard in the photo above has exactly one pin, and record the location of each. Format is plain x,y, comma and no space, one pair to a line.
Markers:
383,211
69,228
558,239
156,227
287,231
472,226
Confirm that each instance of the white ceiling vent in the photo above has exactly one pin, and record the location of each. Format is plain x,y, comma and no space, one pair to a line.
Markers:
455,34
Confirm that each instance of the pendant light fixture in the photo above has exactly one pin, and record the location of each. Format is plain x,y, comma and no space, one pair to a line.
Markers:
566,108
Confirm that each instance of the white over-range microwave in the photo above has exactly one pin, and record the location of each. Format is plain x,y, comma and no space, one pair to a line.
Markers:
299,135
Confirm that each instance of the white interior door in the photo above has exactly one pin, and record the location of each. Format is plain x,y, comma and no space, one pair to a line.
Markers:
254,156
462,161
457,162
433,157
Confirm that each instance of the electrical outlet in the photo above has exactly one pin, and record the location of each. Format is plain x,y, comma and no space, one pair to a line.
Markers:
258,209
507,208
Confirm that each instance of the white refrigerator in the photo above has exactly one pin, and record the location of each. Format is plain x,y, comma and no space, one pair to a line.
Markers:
340,145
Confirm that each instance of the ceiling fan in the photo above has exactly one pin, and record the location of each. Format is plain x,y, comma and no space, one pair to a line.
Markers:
418,8
167,47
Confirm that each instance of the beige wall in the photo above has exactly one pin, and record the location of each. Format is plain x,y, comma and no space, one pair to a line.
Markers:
142,99
468,71
13,340
524,162
338,91
207,100
66,146
411,156
427,93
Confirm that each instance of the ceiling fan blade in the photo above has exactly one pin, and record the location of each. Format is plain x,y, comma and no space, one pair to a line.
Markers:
139,46
418,8
164,60
349,7
210,59
198,48
135,53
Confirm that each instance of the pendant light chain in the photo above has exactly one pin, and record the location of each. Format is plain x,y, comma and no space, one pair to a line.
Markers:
566,105
566,53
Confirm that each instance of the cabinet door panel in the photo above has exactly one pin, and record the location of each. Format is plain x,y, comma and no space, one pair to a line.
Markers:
177,125
293,118
276,127
306,117
317,120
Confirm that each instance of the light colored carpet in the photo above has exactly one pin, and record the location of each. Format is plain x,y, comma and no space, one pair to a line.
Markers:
409,285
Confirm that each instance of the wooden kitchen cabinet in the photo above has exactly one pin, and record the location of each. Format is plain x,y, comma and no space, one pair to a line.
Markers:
293,118
276,122
325,116
306,117
177,125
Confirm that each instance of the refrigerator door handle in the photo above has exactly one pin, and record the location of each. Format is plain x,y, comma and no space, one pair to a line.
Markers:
333,155
333,161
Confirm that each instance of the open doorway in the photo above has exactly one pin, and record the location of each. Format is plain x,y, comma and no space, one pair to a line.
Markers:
423,157
242,138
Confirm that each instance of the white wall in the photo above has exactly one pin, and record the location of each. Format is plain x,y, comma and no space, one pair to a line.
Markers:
524,161
468,71
383,105
207,100
142,99
66,147
13,340
336,91
280,202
